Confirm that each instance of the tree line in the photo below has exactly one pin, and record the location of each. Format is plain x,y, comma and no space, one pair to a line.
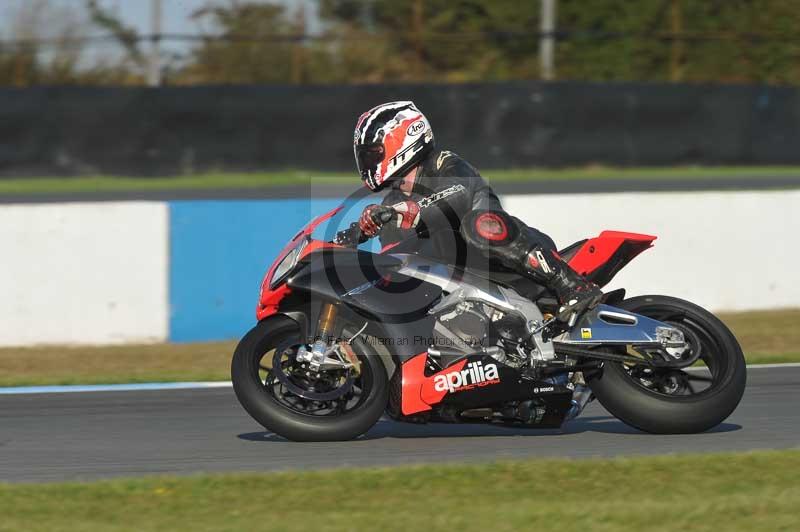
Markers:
373,41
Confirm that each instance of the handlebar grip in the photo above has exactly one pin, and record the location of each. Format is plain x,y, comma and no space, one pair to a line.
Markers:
383,215
350,237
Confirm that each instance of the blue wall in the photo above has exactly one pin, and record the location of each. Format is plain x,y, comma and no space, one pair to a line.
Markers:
219,252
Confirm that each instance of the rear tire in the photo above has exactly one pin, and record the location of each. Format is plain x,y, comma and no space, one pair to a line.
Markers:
620,393
276,417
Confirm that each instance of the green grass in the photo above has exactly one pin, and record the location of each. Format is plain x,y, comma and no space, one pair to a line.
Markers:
644,173
24,366
89,184
82,185
730,492
766,337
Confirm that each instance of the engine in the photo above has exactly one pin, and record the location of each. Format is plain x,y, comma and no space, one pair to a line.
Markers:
468,323
471,327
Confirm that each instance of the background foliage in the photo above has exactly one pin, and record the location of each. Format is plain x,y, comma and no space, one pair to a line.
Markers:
240,41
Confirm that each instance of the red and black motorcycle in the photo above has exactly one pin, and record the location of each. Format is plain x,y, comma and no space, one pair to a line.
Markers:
345,336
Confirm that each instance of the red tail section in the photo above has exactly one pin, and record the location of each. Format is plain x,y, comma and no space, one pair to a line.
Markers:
600,258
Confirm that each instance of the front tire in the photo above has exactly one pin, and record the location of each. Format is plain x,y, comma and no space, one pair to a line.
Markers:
262,342
633,397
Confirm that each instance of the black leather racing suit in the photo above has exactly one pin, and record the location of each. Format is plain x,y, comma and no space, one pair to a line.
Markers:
463,223
444,171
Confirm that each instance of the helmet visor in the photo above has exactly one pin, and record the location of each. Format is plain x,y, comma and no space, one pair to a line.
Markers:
368,157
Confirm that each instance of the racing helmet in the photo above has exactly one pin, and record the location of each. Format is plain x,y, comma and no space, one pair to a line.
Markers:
389,141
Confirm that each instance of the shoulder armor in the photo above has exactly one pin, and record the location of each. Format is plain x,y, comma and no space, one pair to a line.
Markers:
444,155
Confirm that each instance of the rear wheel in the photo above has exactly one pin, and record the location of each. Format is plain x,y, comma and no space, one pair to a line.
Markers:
694,398
289,399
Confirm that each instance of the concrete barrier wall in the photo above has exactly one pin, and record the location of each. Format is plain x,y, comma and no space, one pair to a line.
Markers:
190,271
723,251
83,273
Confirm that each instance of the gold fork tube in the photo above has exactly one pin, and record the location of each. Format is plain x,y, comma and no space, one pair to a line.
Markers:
327,321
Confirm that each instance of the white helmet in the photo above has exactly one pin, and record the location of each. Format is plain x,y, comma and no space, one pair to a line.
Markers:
389,141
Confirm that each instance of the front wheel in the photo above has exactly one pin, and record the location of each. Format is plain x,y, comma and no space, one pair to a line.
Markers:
692,399
282,394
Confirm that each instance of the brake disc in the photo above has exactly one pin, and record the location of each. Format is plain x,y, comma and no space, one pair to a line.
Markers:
313,395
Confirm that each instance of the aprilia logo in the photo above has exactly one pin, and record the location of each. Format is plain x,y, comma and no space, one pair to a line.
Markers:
473,376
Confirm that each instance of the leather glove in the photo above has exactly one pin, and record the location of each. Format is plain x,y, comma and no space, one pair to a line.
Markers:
373,217
407,214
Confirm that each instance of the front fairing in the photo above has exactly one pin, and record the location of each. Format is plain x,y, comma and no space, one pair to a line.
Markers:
367,282
270,297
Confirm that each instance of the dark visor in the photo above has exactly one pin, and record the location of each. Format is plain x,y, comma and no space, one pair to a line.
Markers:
369,156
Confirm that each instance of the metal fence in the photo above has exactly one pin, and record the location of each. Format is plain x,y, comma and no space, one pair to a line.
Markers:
174,130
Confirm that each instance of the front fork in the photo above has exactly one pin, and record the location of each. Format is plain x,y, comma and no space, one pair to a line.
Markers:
325,353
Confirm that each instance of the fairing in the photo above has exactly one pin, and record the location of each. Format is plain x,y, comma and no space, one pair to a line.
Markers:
462,386
269,299
600,258
367,282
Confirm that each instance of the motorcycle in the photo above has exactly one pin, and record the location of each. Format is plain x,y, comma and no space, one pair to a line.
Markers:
345,336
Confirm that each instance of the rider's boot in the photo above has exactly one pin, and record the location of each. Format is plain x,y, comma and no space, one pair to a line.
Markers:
575,294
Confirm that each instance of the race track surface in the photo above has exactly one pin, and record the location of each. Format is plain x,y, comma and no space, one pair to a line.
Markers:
47,437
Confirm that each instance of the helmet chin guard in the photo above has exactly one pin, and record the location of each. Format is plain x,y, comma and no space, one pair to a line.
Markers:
389,141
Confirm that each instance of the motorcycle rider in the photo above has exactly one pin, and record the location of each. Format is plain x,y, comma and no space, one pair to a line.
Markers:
394,148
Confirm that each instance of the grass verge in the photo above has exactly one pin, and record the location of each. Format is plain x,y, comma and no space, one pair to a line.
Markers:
80,185
738,492
766,337
23,366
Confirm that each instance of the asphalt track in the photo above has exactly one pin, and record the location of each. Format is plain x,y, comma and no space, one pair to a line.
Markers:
68,436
